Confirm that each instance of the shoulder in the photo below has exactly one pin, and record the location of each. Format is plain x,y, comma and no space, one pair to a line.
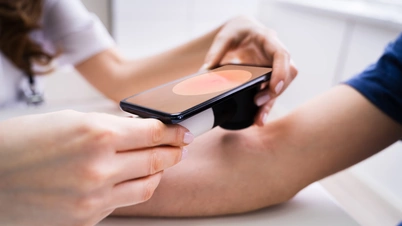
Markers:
71,28
64,16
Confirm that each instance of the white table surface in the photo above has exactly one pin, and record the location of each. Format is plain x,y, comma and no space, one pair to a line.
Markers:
311,206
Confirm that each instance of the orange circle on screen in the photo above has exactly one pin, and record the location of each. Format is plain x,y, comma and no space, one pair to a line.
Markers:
212,82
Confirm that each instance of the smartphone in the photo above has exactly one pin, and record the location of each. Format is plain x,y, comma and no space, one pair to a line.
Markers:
191,95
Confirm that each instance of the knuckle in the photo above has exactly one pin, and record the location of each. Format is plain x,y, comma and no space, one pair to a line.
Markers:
179,135
285,54
156,131
294,71
149,187
94,177
267,108
103,136
155,162
178,155
88,204
92,127
87,124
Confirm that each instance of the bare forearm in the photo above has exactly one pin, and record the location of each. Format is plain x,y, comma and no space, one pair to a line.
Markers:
335,131
117,77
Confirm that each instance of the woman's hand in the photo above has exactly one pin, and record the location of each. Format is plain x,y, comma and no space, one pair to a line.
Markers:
246,41
71,168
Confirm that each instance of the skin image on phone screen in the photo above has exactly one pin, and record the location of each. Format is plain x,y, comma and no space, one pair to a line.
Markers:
180,99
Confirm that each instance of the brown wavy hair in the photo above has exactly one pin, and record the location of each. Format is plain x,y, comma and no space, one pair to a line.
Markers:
17,19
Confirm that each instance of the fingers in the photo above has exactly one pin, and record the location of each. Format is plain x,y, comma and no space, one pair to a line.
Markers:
134,191
220,46
139,133
244,53
283,68
262,97
261,117
283,72
135,164
101,216
281,76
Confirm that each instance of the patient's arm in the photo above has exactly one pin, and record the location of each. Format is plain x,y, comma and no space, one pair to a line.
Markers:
231,172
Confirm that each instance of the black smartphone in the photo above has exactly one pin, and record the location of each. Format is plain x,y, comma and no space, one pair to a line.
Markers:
184,98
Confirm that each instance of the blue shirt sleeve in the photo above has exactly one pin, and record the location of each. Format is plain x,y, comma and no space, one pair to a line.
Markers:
381,83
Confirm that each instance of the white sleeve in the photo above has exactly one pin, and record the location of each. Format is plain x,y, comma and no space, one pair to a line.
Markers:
78,33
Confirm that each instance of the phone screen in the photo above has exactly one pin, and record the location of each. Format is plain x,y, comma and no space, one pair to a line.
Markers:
196,90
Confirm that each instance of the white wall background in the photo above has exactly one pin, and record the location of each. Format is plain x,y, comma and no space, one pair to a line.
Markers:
143,28
102,9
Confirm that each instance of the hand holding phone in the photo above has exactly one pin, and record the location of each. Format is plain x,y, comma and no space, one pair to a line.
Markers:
222,97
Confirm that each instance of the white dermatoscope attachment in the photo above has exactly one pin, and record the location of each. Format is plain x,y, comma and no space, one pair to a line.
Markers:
200,123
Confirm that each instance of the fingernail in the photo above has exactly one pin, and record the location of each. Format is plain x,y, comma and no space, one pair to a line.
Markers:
262,100
279,87
184,153
265,118
204,67
188,138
